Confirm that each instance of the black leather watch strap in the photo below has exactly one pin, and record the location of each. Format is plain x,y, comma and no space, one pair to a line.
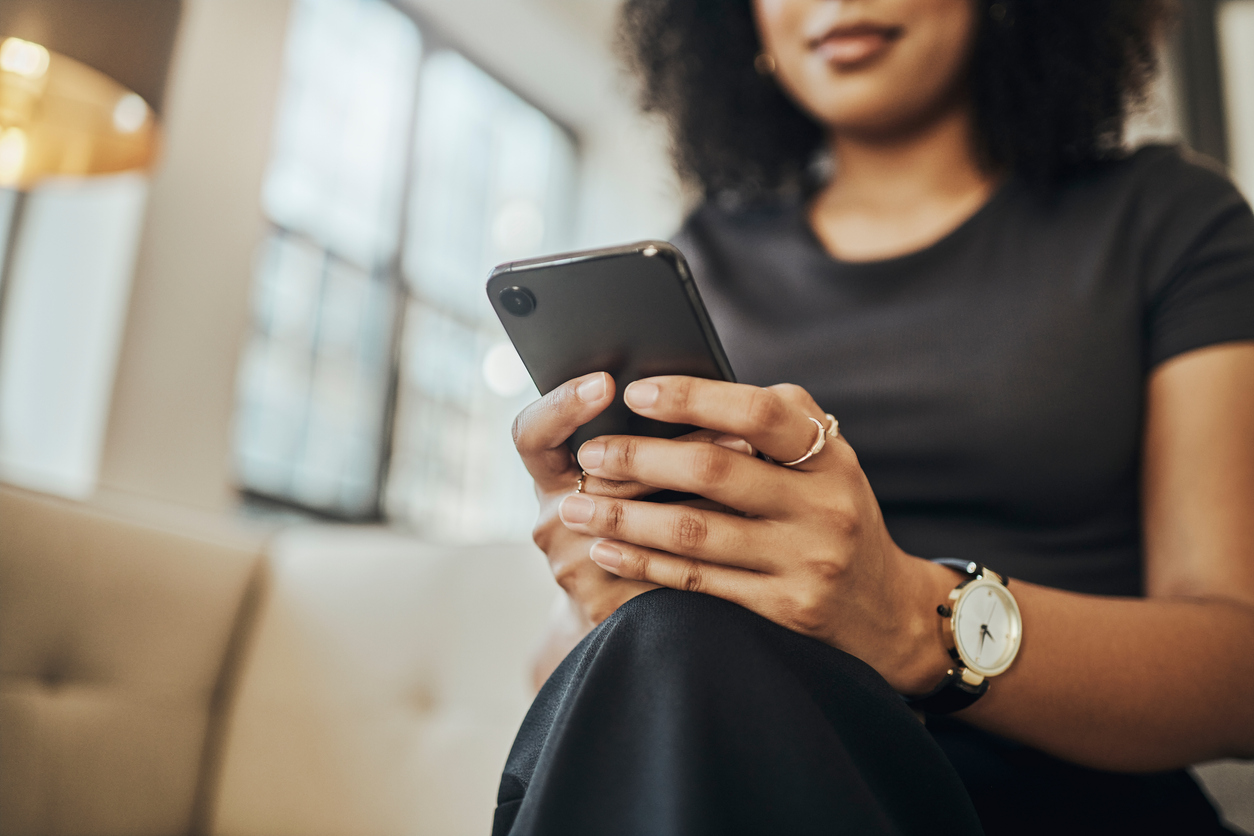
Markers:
952,694
969,568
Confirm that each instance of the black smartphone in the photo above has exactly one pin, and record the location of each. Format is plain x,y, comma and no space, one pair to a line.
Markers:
632,311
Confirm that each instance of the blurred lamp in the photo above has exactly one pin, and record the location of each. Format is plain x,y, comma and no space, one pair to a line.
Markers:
60,117
81,84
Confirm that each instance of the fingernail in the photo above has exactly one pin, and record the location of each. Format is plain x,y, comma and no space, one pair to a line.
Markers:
606,555
734,442
640,395
576,509
592,454
592,390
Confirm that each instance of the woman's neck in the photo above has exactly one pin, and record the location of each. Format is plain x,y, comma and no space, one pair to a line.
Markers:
892,196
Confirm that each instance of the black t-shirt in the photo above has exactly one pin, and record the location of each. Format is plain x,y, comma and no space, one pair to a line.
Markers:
993,383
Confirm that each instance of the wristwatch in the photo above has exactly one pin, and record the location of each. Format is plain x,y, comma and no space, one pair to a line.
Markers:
983,630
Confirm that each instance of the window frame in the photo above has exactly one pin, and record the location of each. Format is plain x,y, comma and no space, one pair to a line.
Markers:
433,40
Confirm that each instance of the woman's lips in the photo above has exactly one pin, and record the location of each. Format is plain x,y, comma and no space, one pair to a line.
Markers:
846,46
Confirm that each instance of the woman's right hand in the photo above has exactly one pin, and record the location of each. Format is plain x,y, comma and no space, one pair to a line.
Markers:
540,433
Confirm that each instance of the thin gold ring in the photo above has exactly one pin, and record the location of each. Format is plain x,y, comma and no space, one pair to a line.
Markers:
579,484
820,440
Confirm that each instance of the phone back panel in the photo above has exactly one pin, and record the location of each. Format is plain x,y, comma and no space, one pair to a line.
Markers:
632,311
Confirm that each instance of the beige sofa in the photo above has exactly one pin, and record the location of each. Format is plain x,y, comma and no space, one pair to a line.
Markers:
323,680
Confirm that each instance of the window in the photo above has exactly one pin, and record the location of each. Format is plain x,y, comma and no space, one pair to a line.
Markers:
1236,45
377,381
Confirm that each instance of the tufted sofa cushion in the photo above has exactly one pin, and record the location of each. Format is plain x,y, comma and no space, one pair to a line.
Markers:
112,641
357,682
384,684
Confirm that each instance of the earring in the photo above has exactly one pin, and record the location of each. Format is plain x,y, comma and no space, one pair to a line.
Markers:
764,63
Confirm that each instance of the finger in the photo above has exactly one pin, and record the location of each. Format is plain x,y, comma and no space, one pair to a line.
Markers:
710,470
617,488
597,591
775,420
630,489
739,586
678,529
541,429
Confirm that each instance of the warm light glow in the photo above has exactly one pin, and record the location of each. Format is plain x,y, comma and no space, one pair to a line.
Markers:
12,155
62,118
24,58
130,113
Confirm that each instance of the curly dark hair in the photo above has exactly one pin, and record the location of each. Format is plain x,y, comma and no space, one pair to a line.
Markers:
1052,82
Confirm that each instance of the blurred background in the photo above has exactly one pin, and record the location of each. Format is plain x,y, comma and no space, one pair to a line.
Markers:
255,408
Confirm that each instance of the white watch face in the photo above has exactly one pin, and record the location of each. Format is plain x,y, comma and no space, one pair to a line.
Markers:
987,627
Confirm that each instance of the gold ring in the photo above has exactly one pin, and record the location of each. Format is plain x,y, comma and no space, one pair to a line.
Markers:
579,484
819,441
833,426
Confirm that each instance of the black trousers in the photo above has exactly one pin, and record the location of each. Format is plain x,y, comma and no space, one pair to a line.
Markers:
685,714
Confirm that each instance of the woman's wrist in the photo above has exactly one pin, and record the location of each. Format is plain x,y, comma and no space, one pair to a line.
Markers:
924,657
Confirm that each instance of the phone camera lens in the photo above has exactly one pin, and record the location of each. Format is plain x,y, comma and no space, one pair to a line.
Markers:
518,301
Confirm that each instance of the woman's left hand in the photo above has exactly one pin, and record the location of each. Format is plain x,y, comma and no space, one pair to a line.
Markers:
811,552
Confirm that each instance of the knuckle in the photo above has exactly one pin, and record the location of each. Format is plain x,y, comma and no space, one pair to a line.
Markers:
613,488
679,394
566,573
601,609
546,529
625,452
846,458
806,612
615,517
711,464
637,565
518,429
766,409
689,531
690,579
844,521
542,536
828,569
792,393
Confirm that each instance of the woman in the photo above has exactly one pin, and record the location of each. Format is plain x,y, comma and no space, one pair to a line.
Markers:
1041,350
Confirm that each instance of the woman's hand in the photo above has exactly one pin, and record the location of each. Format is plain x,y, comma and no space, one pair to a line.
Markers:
811,553
540,433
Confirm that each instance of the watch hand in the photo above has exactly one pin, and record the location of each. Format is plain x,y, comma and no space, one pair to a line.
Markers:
983,632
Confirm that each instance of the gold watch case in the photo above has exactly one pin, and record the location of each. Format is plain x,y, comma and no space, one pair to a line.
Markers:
983,597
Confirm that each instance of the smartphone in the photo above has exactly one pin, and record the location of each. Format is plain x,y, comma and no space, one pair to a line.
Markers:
632,311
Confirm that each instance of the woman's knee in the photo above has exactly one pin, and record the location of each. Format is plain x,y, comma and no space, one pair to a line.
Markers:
667,623
667,633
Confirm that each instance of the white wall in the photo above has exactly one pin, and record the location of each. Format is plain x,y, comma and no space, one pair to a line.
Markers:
169,432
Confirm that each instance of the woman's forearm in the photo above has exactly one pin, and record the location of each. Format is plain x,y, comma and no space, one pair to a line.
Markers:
1127,684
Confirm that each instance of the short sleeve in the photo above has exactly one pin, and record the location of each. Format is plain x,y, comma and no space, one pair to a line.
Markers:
1207,295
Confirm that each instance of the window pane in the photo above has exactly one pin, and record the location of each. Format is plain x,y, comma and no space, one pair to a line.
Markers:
339,155
455,473
313,387
493,183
